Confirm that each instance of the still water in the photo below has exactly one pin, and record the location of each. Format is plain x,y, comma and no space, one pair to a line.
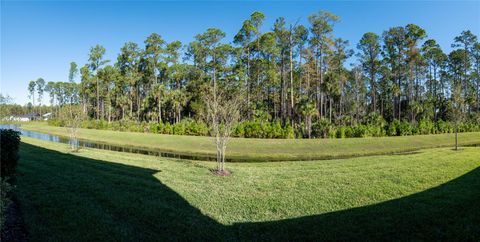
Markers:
103,146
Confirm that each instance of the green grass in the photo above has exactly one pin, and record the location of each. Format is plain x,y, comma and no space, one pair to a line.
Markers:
268,149
98,195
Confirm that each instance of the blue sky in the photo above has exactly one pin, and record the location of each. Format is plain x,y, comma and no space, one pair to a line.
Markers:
40,39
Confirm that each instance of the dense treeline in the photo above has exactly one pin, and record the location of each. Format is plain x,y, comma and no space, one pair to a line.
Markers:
9,108
294,77
373,127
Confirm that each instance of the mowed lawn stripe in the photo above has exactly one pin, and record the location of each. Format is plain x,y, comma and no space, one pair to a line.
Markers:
241,149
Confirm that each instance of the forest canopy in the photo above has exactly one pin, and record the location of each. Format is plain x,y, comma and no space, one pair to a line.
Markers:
295,81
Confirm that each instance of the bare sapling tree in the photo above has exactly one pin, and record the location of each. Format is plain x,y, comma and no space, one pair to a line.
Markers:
222,114
72,117
457,108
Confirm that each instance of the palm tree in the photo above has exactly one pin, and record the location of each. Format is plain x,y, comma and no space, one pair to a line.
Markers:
396,91
416,108
159,90
179,99
308,110
123,101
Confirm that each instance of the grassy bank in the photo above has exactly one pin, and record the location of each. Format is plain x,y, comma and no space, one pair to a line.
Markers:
267,149
99,195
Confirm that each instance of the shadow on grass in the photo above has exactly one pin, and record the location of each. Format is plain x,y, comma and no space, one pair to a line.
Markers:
66,197
449,212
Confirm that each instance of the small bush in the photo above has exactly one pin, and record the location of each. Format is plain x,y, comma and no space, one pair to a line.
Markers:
376,130
193,127
349,132
253,130
361,131
168,129
405,129
444,127
332,132
239,131
155,128
469,127
10,141
341,132
288,132
375,119
179,129
393,128
299,130
276,130
426,126
323,129
56,122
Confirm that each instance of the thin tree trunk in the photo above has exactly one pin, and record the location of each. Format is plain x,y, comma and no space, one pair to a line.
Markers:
300,69
330,109
319,87
374,91
291,78
138,104
98,99
282,95
456,135
159,109
248,82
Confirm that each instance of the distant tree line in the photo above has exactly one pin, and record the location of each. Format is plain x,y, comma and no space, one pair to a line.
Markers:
293,75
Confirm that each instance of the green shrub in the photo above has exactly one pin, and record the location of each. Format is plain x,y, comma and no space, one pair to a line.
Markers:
375,119
405,129
288,132
116,126
376,130
56,122
189,127
239,131
135,128
179,129
265,131
349,132
426,126
168,129
254,129
469,127
373,126
346,120
321,128
361,131
299,130
393,128
444,127
10,142
197,128
276,130
155,128
259,129
332,132
341,132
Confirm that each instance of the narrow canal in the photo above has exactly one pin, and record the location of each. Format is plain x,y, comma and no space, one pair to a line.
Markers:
103,146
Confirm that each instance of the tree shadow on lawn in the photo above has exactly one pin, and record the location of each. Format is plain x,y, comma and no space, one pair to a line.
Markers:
66,197
449,212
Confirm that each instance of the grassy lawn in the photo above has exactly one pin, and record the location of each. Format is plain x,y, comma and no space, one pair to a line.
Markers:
98,195
268,149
